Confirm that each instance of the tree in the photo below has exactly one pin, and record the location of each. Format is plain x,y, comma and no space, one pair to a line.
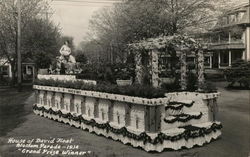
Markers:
81,57
92,51
134,20
41,45
39,36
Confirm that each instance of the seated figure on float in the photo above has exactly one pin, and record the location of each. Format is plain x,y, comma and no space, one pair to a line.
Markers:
66,59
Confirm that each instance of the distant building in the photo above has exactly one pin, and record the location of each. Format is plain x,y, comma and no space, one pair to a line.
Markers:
229,39
28,70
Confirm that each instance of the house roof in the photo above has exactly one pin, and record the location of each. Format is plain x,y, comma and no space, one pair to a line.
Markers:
244,20
24,61
27,60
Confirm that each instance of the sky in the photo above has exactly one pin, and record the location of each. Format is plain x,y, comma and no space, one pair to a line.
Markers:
73,15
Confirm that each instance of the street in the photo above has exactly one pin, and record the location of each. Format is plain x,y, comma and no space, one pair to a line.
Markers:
18,121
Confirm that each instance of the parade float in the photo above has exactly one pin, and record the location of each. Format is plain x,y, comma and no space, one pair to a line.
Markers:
153,120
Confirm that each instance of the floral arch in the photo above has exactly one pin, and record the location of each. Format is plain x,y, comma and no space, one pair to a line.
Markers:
179,44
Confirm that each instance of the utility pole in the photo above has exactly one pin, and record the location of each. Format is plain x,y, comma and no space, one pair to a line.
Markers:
19,60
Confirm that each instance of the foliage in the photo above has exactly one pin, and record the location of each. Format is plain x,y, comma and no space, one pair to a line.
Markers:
92,51
191,82
4,81
169,45
191,85
133,90
81,58
166,42
171,86
123,71
39,37
239,72
165,73
89,72
42,60
40,45
134,20
208,87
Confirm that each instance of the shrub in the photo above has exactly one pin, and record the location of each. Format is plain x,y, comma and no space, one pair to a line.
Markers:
131,90
5,81
171,86
209,88
191,82
165,73
123,71
239,72
100,72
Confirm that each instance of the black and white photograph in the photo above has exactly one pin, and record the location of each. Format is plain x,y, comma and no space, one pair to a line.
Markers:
124,78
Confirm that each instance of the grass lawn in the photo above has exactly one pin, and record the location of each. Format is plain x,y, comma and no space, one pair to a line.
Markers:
18,121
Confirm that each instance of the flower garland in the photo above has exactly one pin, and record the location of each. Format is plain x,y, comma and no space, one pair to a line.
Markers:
188,133
163,42
183,118
172,106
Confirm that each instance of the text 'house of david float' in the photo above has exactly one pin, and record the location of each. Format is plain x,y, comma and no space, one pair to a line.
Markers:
174,121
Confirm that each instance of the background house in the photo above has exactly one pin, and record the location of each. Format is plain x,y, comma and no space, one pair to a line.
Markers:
229,39
28,70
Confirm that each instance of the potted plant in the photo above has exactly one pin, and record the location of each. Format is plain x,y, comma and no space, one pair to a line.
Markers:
123,78
123,75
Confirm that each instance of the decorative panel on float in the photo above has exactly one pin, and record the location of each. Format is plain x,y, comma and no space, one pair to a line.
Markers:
90,107
103,110
77,104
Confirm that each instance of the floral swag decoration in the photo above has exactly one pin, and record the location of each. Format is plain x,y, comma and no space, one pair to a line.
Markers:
190,131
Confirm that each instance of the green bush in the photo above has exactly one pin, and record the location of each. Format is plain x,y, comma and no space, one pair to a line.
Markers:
239,72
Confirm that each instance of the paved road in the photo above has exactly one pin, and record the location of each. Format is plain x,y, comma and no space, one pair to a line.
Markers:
18,121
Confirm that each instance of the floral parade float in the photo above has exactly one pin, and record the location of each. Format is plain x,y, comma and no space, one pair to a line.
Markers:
154,120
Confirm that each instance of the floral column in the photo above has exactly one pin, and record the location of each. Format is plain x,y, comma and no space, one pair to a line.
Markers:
138,68
154,69
183,64
200,69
